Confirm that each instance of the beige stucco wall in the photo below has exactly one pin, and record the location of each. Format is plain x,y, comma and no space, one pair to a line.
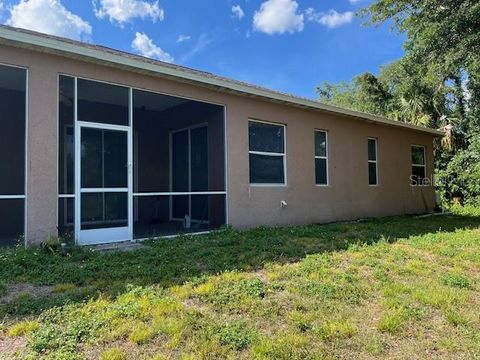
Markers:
347,197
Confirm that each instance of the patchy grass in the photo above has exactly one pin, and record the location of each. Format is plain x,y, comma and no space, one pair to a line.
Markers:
113,354
22,328
401,287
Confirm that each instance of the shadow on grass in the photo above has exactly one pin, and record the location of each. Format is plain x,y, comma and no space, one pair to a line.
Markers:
168,262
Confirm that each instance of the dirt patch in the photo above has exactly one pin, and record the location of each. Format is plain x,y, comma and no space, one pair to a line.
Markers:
16,290
195,304
11,347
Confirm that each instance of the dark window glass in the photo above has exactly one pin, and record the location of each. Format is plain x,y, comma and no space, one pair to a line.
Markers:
115,155
180,206
152,215
66,218
199,159
372,150
156,120
66,144
266,137
418,175
418,155
104,158
11,221
199,207
102,103
12,130
320,143
266,169
104,210
372,173
321,171
180,161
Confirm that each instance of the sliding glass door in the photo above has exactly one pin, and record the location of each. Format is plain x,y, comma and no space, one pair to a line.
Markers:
189,168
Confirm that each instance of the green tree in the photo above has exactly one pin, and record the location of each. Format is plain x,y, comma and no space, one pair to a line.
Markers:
439,32
436,83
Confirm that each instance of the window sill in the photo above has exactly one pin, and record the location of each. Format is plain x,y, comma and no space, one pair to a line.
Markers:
268,185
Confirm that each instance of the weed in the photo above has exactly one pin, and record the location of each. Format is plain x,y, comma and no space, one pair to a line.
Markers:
23,328
141,334
392,321
113,354
456,280
336,329
64,288
456,318
237,335
283,347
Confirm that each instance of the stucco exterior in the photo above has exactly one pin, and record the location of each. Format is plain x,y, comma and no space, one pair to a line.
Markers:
348,195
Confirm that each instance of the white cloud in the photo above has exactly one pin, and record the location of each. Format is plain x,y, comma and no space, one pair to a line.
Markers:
354,1
278,17
238,11
182,38
331,18
50,17
143,45
200,45
121,11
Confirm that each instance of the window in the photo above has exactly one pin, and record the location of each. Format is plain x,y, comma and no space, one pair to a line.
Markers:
321,158
12,153
372,162
266,153
66,154
418,165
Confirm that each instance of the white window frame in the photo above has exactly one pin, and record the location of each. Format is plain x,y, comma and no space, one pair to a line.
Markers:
373,162
322,157
268,153
424,165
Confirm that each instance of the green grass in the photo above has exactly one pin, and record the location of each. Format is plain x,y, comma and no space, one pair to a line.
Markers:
400,287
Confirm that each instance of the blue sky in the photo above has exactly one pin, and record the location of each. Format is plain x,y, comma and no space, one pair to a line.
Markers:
286,45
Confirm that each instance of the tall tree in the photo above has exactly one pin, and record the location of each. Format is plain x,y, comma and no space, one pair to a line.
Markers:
437,82
439,32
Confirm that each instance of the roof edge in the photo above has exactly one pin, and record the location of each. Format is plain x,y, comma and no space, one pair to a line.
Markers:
57,44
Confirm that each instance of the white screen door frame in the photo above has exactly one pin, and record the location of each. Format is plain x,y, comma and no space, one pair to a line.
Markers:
102,235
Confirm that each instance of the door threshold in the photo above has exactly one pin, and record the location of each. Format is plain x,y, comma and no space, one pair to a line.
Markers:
117,246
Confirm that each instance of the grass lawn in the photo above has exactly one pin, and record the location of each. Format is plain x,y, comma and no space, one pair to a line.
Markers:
400,287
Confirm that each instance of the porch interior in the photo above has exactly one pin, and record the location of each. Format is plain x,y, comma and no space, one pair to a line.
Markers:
178,163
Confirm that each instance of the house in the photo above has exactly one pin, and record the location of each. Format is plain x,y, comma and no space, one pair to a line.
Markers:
108,146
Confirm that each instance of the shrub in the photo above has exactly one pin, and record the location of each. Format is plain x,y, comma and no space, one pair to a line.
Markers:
460,175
